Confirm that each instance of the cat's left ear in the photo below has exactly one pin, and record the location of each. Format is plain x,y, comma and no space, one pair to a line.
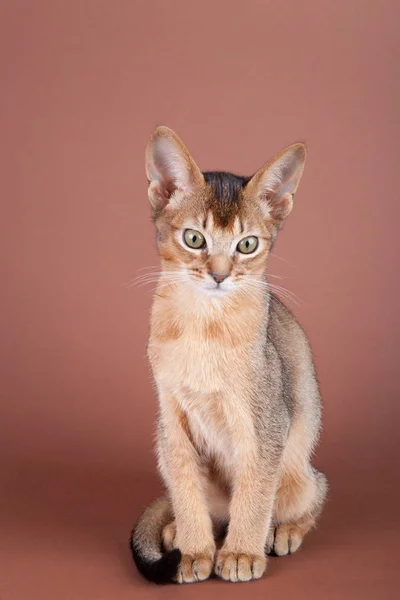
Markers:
169,168
276,184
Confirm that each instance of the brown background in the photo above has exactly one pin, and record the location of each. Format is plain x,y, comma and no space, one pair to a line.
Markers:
83,83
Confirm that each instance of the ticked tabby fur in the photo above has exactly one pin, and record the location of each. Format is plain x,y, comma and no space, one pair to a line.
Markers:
239,406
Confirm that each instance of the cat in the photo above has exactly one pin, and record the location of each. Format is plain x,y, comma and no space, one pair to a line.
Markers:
239,403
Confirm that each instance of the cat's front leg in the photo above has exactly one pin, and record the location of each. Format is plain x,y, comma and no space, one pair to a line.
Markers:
242,557
181,470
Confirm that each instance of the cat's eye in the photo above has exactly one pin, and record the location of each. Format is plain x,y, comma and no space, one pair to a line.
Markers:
194,239
247,245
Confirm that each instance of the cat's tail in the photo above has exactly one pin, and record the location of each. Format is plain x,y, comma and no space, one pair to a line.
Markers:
146,545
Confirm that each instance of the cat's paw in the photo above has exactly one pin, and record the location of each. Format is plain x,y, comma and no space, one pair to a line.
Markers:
284,539
194,567
238,566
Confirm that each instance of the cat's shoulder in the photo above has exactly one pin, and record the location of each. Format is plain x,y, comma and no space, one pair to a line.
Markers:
282,320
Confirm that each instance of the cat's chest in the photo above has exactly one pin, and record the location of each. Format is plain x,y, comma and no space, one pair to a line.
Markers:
210,423
193,362
206,351
208,369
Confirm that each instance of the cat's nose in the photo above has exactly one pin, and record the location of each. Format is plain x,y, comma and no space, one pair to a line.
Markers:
219,277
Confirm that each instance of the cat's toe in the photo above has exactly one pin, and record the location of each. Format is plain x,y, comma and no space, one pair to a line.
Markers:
284,539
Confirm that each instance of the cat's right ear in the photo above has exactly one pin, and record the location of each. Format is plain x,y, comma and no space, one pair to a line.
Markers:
169,168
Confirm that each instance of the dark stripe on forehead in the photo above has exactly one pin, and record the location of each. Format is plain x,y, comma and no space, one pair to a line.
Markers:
226,196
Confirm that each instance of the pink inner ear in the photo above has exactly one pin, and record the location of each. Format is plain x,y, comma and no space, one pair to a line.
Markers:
281,206
158,195
183,188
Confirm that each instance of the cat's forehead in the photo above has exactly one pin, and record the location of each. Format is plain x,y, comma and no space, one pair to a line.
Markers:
234,228
220,207
224,204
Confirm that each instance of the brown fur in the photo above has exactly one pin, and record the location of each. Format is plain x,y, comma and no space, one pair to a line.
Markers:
239,402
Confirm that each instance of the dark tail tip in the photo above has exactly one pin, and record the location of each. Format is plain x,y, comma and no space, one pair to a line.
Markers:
160,571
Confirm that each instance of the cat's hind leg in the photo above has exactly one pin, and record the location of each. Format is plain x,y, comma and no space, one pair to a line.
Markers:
298,504
300,495
168,536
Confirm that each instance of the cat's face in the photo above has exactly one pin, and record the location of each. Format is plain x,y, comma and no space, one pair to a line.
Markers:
214,230
219,244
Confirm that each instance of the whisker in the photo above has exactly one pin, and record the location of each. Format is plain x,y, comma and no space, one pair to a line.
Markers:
279,290
160,286
283,260
151,271
150,267
152,277
168,281
131,281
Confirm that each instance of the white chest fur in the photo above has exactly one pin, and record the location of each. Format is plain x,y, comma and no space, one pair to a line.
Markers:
203,366
206,364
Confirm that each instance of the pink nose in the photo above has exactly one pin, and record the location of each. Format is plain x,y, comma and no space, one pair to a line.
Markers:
219,277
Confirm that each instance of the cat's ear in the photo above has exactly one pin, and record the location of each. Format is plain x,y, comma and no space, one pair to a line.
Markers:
169,167
276,183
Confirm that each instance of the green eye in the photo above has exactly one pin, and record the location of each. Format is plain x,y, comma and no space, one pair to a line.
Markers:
247,245
194,239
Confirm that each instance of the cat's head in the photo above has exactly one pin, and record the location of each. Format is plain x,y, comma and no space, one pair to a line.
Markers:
215,230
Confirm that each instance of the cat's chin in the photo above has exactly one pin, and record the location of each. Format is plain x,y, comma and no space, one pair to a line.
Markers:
216,292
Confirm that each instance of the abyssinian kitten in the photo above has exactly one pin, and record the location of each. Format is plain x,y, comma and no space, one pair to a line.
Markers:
239,406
